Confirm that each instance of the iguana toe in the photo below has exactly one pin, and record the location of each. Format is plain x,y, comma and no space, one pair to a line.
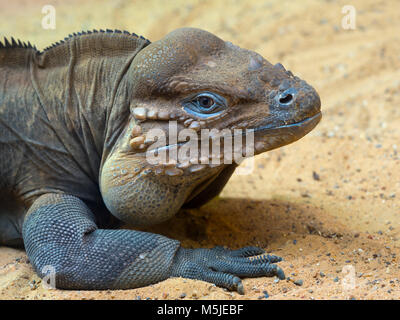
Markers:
224,267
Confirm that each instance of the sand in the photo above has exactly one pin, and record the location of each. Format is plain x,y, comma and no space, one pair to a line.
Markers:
329,203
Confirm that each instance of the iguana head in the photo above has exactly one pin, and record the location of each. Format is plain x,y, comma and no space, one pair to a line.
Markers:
202,82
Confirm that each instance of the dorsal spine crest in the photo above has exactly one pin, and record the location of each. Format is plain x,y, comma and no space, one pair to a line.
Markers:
18,44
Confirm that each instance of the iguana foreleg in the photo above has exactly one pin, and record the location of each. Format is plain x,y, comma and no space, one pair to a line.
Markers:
60,231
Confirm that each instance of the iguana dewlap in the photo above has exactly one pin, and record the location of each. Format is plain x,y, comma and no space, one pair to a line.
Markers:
75,127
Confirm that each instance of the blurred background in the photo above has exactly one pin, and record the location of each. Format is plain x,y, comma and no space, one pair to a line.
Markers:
332,195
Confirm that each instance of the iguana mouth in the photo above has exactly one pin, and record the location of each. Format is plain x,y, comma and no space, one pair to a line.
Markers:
303,123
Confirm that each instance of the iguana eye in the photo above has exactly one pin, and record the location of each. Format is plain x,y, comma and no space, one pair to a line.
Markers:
205,104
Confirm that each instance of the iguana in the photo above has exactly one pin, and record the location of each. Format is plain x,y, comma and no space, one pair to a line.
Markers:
74,120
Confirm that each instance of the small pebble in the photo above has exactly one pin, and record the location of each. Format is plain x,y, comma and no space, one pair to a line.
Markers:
316,176
298,282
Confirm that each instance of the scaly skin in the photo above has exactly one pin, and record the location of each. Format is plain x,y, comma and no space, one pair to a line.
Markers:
76,123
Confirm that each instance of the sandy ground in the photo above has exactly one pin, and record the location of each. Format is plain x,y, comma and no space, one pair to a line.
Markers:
329,203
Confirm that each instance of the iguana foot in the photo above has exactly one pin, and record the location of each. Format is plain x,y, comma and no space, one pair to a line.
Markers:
223,267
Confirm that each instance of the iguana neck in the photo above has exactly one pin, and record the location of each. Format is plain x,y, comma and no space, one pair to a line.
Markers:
91,69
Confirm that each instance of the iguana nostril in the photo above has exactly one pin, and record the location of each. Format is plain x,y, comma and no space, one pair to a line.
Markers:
286,98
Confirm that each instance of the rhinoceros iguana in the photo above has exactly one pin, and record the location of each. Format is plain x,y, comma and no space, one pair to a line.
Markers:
74,134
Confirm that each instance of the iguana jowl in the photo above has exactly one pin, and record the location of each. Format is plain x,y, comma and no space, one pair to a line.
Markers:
73,124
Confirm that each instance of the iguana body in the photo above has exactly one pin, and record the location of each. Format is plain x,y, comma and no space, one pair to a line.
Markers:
75,122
